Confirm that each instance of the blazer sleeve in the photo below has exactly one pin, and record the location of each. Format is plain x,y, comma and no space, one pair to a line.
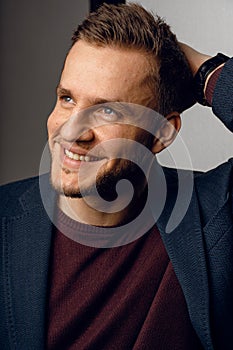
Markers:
222,103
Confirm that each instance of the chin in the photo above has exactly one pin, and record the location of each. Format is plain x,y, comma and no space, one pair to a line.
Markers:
104,185
66,190
64,183
71,193
66,187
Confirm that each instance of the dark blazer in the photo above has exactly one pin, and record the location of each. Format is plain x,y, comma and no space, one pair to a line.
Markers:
200,248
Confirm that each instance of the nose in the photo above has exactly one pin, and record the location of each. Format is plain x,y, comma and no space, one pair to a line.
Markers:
77,128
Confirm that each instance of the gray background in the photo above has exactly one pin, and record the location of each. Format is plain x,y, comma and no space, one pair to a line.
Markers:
34,38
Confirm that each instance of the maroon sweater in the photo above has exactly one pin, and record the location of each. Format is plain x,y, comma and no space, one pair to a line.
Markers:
126,297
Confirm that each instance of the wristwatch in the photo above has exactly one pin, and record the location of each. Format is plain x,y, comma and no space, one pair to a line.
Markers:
202,74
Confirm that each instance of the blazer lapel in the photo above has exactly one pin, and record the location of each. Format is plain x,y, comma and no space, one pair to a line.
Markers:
26,245
185,247
219,232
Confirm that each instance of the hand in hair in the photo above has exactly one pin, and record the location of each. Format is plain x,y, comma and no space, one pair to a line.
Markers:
195,58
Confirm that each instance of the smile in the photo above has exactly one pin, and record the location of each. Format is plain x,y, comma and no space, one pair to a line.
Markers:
80,157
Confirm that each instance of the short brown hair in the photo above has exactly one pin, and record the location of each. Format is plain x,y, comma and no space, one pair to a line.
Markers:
131,26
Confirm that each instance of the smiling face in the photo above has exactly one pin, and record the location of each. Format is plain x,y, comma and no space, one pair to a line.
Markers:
88,115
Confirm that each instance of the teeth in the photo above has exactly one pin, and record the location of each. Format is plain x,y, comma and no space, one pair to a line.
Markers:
76,156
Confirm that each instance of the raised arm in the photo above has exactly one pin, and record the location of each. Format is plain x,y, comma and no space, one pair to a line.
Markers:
213,82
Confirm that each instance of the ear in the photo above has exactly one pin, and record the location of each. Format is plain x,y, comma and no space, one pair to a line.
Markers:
167,132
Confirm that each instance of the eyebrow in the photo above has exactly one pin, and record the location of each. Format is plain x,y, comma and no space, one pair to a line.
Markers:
95,101
62,91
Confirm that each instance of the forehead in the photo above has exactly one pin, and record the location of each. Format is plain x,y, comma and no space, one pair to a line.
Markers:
113,71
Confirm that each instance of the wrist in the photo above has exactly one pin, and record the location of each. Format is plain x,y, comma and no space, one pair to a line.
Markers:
203,76
211,83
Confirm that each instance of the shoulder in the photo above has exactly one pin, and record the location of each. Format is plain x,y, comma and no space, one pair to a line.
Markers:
220,176
217,180
12,194
17,187
214,190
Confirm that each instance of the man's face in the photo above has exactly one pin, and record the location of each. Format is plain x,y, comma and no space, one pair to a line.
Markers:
88,115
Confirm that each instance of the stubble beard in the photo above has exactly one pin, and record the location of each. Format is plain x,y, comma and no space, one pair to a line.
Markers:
105,184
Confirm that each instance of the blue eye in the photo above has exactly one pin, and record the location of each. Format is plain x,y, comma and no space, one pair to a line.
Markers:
107,113
108,110
65,99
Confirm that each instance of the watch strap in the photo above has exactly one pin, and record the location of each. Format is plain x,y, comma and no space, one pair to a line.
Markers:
202,74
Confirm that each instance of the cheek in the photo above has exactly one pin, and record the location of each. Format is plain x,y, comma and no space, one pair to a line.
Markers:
116,131
54,122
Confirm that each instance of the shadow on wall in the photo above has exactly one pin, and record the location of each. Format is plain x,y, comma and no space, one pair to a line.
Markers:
34,39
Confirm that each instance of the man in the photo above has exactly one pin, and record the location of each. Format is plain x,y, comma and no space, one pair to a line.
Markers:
63,285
